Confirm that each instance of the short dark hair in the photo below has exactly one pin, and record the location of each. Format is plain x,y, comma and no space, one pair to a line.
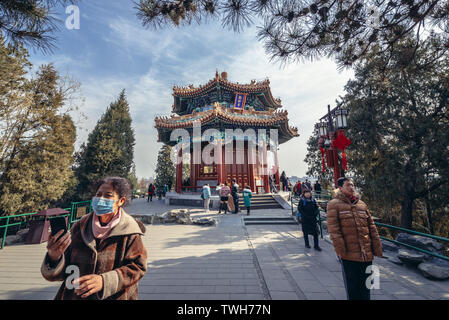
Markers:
120,185
341,181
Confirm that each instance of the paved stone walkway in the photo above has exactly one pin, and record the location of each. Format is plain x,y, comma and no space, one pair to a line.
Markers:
227,261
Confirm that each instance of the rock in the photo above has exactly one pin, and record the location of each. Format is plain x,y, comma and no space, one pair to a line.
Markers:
420,242
12,239
184,218
387,245
23,234
410,257
147,219
204,221
395,260
438,262
433,271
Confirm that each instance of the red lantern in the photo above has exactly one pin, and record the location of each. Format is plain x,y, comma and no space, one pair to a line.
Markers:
341,142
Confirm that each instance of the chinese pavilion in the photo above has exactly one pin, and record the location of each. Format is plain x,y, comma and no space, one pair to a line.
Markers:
222,105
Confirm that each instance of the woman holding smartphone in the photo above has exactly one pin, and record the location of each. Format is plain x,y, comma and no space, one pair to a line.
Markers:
105,246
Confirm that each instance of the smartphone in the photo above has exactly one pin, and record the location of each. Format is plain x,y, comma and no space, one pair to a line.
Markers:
57,224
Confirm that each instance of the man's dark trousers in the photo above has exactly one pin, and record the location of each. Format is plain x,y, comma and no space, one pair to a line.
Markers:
235,197
354,277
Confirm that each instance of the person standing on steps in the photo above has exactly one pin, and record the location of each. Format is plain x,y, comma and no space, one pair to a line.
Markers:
247,195
309,211
355,238
235,195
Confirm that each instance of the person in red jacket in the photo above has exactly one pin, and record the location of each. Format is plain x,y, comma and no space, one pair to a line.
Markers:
151,189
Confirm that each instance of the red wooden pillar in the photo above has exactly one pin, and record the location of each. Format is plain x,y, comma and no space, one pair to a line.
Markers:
251,161
276,166
220,163
179,172
266,170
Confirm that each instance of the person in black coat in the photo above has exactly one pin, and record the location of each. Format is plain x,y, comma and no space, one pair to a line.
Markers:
235,195
309,211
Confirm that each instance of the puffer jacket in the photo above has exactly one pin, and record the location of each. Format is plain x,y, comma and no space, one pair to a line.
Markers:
120,258
352,229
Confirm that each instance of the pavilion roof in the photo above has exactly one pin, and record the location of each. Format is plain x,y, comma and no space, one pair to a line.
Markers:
245,118
261,87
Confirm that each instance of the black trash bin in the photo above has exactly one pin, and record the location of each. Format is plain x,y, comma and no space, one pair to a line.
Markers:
40,228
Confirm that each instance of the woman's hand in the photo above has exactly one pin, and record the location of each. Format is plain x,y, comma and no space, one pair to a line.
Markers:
88,285
57,248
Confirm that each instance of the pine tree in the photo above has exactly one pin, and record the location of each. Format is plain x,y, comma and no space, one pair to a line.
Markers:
399,125
314,164
109,149
165,169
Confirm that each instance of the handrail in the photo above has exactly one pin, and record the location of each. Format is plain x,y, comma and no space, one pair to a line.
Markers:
412,232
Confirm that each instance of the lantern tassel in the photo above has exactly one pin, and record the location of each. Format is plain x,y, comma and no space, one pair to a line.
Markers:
322,159
343,158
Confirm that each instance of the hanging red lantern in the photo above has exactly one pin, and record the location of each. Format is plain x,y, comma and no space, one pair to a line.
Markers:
341,142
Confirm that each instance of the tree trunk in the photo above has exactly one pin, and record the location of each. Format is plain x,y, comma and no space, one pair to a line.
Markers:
429,214
407,212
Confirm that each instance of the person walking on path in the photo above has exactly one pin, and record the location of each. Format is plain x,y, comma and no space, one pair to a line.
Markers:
235,195
224,196
297,189
308,185
309,211
205,194
317,188
247,195
105,248
150,192
354,236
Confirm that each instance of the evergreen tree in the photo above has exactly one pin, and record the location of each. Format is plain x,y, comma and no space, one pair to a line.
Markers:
315,164
399,125
37,139
165,169
109,149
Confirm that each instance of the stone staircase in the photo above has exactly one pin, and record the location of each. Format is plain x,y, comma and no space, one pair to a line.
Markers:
260,201
266,220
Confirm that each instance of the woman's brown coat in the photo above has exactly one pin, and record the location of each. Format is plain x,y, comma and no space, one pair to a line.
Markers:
120,258
352,229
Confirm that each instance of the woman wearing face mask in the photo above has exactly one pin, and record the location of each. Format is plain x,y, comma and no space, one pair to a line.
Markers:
105,247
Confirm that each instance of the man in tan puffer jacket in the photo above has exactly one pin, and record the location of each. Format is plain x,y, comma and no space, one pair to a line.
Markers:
355,238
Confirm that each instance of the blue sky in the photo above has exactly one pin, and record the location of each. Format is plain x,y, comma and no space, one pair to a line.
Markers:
112,51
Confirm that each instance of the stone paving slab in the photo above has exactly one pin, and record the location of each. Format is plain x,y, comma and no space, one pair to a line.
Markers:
226,261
